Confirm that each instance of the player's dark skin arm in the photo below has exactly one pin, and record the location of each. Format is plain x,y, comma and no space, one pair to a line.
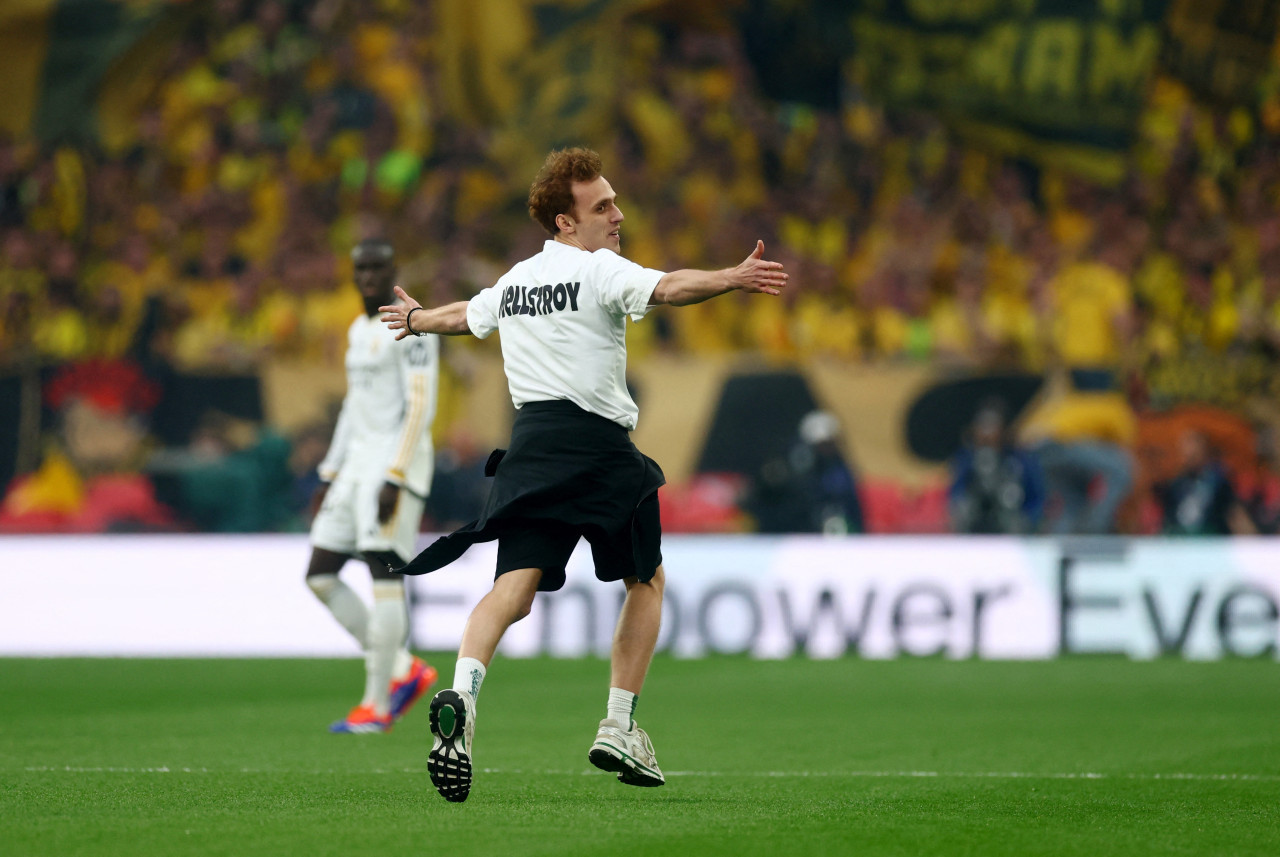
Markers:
387,498
317,498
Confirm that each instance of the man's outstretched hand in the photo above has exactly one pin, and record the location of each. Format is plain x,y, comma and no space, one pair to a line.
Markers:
758,274
396,316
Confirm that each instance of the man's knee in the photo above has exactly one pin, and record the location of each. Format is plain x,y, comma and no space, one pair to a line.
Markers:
522,609
325,563
657,583
322,585
518,589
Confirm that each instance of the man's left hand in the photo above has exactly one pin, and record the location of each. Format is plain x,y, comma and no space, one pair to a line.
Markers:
387,498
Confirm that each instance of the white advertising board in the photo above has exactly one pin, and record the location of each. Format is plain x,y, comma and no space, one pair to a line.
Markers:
875,597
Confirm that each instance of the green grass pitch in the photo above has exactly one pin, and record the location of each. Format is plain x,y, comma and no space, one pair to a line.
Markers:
909,757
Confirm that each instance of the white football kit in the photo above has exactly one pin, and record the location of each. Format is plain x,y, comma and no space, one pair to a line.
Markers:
383,435
562,316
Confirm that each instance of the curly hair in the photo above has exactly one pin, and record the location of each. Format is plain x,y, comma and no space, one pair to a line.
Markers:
552,191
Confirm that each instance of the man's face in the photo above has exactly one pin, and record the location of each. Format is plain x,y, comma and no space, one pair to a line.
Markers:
596,216
374,276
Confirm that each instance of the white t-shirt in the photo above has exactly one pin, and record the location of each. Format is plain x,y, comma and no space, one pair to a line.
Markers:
384,429
562,315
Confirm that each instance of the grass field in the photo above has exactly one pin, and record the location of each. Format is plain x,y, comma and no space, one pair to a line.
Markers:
911,757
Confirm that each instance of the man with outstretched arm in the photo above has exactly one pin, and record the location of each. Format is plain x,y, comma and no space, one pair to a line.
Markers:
571,470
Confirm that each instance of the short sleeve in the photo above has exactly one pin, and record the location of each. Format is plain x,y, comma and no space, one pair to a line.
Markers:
482,311
623,286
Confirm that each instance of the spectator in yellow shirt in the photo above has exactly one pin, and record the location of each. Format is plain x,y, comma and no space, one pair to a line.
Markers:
1088,304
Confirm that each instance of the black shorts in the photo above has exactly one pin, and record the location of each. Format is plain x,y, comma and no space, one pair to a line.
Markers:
548,544
568,474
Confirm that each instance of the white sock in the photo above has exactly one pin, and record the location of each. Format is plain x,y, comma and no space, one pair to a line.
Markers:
468,675
343,603
404,660
622,704
388,624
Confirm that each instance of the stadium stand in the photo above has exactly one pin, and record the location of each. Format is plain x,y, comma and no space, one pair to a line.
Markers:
241,146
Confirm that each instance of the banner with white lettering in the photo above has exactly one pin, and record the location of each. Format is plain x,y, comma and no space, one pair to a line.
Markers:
873,597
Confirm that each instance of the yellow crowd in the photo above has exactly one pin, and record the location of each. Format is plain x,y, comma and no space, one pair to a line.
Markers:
215,233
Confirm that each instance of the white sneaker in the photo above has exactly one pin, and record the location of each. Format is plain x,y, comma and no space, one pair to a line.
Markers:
630,754
453,725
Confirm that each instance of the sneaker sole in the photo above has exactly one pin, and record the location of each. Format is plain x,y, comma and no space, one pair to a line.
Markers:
606,757
449,766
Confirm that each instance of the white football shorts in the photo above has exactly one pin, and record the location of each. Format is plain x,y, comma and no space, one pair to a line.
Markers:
348,519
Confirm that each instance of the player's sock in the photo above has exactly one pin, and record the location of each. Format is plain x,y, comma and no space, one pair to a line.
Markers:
622,704
468,675
404,659
342,601
388,623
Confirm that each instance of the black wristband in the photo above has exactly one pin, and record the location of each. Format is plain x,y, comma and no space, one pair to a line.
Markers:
408,326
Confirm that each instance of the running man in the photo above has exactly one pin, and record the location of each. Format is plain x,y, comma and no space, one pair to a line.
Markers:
375,478
571,470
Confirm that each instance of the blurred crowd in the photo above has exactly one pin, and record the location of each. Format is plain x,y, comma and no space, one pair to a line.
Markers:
283,132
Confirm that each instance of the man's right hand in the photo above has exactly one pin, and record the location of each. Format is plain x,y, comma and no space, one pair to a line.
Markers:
450,319
396,316
317,498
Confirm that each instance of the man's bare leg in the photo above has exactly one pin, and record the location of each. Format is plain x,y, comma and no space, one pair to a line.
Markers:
507,603
621,746
453,711
636,634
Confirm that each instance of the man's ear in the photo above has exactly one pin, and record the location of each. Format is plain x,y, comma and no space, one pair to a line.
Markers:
565,223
